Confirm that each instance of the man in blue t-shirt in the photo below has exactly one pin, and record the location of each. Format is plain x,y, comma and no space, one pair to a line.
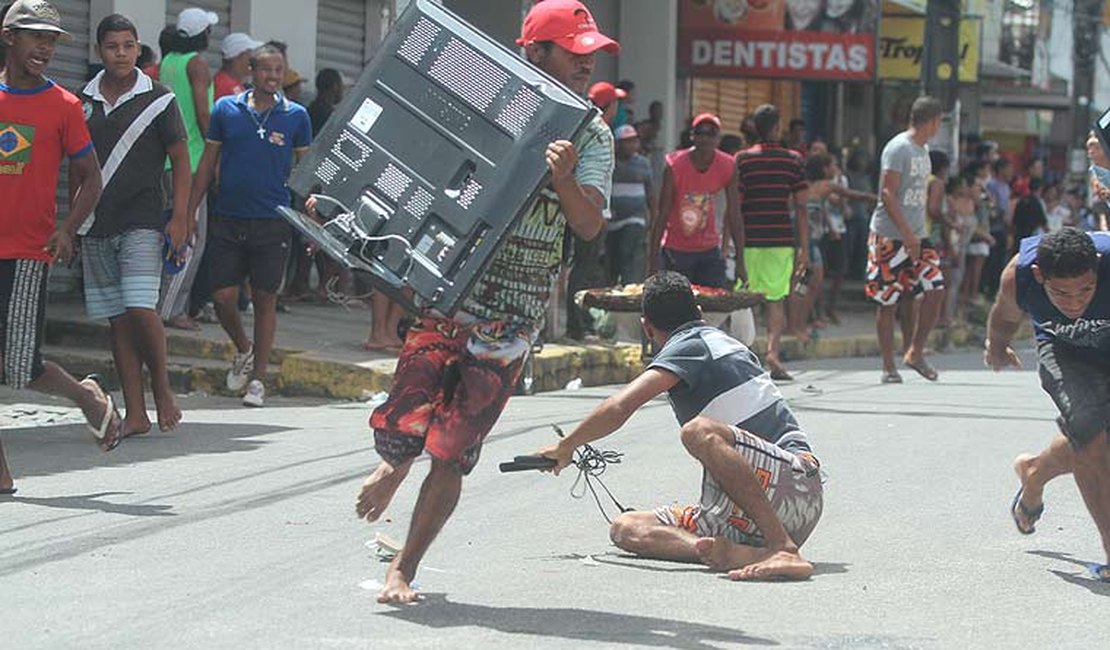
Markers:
254,137
761,491
1062,281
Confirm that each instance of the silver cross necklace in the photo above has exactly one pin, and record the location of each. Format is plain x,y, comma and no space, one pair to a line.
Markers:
265,117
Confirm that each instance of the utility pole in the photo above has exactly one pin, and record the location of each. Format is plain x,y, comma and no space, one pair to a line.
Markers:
1086,30
940,68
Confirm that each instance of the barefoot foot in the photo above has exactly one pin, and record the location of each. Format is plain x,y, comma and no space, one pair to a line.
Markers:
169,415
136,426
776,565
397,590
378,490
722,554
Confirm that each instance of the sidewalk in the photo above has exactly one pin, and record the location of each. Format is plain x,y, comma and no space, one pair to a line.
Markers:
319,351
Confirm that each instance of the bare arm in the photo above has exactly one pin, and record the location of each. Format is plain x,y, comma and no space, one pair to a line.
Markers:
199,80
582,205
84,191
611,414
1004,320
655,235
736,224
206,172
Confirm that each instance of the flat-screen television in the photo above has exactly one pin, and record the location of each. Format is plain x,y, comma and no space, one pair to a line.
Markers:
432,157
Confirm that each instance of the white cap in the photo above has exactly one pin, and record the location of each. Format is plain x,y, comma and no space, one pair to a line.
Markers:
193,21
625,131
236,43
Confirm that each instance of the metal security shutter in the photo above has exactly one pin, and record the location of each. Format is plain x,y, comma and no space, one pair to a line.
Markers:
70,69
734,99
341,36
70,65
219,30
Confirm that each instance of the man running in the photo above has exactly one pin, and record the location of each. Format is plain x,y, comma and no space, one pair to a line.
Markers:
1062,281
40,122
901,262
761,492
454,376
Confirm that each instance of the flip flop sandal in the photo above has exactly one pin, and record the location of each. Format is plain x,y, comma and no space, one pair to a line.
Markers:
7,492
780,374
1032,515
1100,572
923,369
891,377
108,436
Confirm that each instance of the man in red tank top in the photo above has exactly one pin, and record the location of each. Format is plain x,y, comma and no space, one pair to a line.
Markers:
686,238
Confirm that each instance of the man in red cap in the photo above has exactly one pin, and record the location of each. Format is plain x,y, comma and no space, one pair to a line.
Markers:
477,356
606,97
685,238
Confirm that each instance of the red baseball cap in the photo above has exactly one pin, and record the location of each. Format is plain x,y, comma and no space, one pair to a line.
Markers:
706,117
569,24
604,93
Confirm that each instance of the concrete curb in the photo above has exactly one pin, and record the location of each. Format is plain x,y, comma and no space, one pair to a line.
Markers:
200,363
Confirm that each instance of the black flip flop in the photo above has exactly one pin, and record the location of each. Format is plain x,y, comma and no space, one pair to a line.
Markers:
8,491
780,374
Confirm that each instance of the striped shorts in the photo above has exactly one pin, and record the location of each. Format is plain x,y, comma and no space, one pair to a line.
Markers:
22,320
792,483
122,271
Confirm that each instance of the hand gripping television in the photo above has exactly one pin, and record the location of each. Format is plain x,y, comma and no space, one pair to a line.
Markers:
432,158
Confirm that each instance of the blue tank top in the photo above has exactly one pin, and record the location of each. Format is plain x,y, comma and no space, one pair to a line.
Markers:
1092,329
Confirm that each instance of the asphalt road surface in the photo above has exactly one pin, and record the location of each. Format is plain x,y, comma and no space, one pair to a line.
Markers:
238,531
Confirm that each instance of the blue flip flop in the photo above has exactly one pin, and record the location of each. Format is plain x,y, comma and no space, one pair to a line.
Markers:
1100,572
1030,515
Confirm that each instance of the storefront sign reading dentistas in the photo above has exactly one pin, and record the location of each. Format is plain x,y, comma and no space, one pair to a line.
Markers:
793,39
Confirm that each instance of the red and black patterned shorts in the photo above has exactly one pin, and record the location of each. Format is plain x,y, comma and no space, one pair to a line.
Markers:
452,382
891,272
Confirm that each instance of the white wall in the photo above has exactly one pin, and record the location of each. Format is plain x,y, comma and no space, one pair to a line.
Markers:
148,15
291,21
649,49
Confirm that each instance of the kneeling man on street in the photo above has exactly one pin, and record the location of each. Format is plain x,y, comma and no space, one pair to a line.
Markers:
761,492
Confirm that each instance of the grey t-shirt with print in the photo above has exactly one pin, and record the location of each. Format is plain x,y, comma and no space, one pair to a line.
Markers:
911,161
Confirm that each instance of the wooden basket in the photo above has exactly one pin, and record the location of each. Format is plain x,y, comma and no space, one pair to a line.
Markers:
620,301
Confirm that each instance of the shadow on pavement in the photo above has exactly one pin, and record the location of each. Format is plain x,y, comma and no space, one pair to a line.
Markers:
43,451
1084,580
94,502
576,624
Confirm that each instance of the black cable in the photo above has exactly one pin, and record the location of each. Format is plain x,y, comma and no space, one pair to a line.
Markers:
591,464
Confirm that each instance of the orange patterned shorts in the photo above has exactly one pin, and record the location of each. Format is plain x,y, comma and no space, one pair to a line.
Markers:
891,273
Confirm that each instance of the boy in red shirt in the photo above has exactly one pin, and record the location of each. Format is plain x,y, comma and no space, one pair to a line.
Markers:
39,122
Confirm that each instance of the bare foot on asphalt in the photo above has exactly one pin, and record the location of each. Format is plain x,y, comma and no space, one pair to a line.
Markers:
722,554
378,490
136,426
169,415
397,590
775,565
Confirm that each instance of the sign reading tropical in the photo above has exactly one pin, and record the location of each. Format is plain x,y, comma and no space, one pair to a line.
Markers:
797,39
902,45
